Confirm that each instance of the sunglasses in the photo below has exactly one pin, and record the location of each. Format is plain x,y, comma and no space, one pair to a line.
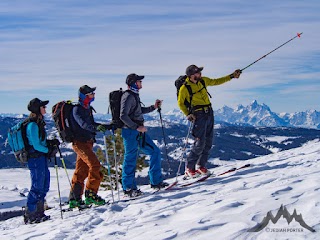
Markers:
91,93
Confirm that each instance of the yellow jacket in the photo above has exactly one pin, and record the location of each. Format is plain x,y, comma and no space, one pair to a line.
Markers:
200,95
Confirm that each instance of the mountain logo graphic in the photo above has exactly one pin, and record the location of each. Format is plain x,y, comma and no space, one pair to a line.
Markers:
283,211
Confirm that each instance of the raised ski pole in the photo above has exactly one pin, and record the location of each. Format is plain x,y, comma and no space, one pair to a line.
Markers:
164,137
115,162
56,167
108,164
298,35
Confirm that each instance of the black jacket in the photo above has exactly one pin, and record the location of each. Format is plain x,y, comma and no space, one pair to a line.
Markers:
84,127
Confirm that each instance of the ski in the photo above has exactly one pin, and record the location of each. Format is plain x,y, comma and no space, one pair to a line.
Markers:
203,178
76,208
145,194
171,185
11,214
82,207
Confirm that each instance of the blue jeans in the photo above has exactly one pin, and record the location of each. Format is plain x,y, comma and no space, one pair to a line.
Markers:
40,181
132,144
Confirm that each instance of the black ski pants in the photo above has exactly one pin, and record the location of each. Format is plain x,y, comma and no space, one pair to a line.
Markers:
202,131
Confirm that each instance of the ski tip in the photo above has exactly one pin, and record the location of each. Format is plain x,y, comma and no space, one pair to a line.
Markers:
299,34
171,185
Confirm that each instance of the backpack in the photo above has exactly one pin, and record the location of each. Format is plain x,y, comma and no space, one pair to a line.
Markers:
18,141
115,105
182,81
62,116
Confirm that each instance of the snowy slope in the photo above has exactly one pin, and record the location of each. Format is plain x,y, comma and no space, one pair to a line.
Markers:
219,208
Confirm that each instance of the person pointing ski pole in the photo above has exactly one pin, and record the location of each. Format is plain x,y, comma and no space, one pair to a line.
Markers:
199,111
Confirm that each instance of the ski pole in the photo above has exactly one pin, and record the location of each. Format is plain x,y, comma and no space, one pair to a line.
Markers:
116,163
298,35
108,165
183,151
65,169
56,167
164,138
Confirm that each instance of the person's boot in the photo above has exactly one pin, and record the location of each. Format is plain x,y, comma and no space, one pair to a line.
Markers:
93,198
160,185
40,212
79,203
30,217
132,193
75,192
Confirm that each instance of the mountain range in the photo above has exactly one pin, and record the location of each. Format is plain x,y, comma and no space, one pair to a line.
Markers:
254,115
241,133
260,115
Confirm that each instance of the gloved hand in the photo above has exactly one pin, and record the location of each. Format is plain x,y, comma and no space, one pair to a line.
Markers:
111,126
191,117
236,74
53,142
102,128
53,149
158,104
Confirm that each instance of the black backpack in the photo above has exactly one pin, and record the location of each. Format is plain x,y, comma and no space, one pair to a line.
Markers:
182,81
62,116
115,105
18,141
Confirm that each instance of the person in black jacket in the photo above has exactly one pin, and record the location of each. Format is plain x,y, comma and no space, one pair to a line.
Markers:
87,164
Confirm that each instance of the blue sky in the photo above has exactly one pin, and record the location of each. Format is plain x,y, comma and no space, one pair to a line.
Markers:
49,49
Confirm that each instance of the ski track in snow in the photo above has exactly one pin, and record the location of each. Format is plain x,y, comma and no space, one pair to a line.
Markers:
222,207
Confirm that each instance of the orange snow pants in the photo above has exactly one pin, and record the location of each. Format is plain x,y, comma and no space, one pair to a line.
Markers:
87,166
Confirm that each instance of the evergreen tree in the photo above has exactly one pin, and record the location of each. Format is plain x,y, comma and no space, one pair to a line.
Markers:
141,163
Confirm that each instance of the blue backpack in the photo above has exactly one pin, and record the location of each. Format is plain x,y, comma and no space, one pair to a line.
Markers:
18,141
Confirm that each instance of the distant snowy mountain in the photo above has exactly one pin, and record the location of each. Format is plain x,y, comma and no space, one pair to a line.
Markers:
253,115
307,119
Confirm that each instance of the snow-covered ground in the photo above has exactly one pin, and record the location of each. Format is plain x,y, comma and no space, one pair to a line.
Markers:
224,207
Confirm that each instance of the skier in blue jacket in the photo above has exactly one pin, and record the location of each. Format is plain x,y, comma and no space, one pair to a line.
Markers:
40,148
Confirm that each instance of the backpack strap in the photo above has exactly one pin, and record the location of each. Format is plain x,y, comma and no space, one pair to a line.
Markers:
188,104
205,87
137,101
24,132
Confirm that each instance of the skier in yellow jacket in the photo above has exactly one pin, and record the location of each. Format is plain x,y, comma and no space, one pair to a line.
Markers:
194,102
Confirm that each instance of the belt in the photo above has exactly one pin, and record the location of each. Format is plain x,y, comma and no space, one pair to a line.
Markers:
202,109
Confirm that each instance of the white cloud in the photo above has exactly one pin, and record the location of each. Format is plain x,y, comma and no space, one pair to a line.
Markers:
47,46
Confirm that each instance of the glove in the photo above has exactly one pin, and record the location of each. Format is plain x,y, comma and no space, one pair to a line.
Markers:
111,126
53,142
191,117
157,104
102,128
236,74
52,151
